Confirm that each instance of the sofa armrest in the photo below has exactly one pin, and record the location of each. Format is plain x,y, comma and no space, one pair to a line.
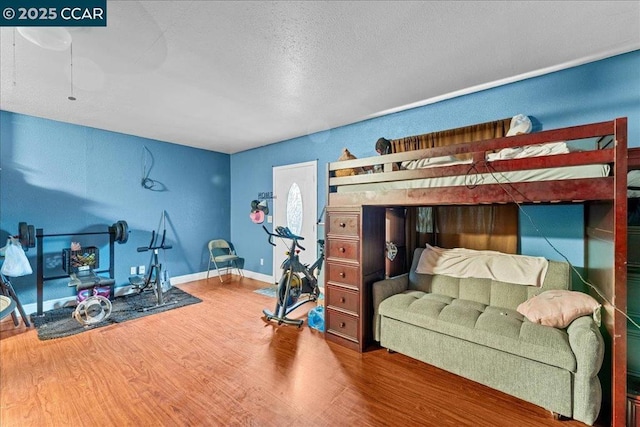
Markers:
587,345
382,290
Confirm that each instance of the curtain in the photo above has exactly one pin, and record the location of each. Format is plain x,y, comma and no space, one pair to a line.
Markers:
478,132
493,227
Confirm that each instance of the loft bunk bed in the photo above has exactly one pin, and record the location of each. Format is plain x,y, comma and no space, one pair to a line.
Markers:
585,174
590,168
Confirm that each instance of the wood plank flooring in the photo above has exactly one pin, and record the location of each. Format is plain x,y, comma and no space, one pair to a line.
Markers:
217,363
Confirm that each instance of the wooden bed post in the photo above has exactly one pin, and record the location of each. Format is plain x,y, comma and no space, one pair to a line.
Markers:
606,242
619,333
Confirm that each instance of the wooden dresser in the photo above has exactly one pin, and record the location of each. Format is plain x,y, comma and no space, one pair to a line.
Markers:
355,255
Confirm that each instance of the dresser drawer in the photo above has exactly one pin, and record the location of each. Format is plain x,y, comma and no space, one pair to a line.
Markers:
342,324
343,224
348,275
346,249
343,299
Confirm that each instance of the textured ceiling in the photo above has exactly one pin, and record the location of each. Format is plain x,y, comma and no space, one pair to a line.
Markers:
230,76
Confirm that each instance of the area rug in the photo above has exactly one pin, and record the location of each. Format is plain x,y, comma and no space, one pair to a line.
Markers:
269,292
59,322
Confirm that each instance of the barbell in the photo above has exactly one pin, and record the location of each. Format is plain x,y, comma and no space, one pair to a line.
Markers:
27,233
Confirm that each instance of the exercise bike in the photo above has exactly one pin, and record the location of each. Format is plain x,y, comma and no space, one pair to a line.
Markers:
299,282
156,276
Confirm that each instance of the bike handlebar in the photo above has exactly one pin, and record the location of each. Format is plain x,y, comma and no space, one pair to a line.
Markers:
284,233
145,249
151,244
270,235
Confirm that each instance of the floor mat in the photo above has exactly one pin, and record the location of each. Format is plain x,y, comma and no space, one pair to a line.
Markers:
269,292
59,322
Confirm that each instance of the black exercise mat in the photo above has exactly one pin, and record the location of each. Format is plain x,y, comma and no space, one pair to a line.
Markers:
59,322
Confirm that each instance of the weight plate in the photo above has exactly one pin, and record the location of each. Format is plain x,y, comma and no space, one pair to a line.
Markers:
116,231
124,233
23,234
119,232
32,236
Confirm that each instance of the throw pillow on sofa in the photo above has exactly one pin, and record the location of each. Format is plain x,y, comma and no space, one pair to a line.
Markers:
558,308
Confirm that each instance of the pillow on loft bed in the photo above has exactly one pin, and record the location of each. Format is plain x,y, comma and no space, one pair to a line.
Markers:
519,125
558,308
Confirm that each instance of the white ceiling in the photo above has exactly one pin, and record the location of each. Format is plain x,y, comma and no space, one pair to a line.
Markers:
230,76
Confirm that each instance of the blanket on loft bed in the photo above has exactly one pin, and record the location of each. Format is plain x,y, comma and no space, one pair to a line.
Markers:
549,149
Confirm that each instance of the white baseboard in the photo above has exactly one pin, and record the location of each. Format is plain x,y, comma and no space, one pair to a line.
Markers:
203,276
177,280
127,289
259,276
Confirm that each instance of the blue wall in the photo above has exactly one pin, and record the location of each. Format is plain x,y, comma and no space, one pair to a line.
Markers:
598,91
66,178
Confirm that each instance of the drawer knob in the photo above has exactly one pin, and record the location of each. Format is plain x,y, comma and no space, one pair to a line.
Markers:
342,300
342,250
342,324
343,225
342,274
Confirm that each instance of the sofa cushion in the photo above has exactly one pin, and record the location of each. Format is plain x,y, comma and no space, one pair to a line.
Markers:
500,328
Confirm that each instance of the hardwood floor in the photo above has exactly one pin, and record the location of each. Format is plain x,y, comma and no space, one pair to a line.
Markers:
217,363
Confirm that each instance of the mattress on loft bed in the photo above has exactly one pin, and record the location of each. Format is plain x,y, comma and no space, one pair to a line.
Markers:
479,177
471,179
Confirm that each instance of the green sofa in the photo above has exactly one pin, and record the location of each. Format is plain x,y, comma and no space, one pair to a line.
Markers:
470,327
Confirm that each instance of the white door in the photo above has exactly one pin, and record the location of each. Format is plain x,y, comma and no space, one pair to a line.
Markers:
295,206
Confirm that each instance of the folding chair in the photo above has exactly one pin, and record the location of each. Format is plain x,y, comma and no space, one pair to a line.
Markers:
220,253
